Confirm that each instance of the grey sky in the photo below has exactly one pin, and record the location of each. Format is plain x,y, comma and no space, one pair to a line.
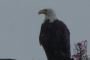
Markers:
20,25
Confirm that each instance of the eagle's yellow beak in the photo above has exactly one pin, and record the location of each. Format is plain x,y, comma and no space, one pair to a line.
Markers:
42,12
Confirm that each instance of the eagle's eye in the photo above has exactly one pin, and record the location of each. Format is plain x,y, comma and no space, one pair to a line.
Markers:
45,9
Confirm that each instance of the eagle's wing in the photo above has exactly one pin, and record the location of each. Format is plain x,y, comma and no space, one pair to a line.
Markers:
63,36
41,35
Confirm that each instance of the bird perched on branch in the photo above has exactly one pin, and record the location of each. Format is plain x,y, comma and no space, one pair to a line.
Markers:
54,37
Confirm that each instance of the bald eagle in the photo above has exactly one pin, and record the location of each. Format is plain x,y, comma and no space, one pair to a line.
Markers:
54,37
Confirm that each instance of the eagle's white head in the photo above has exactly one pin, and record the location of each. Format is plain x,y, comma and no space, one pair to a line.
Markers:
49,14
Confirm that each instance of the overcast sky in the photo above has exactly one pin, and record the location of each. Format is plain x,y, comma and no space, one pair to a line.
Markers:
20,25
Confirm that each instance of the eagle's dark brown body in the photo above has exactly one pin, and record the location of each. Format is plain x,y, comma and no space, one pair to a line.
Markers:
55,39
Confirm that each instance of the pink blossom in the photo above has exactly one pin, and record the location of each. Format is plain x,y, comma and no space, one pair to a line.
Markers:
75,55
85,40
79,44
82,41
83,50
